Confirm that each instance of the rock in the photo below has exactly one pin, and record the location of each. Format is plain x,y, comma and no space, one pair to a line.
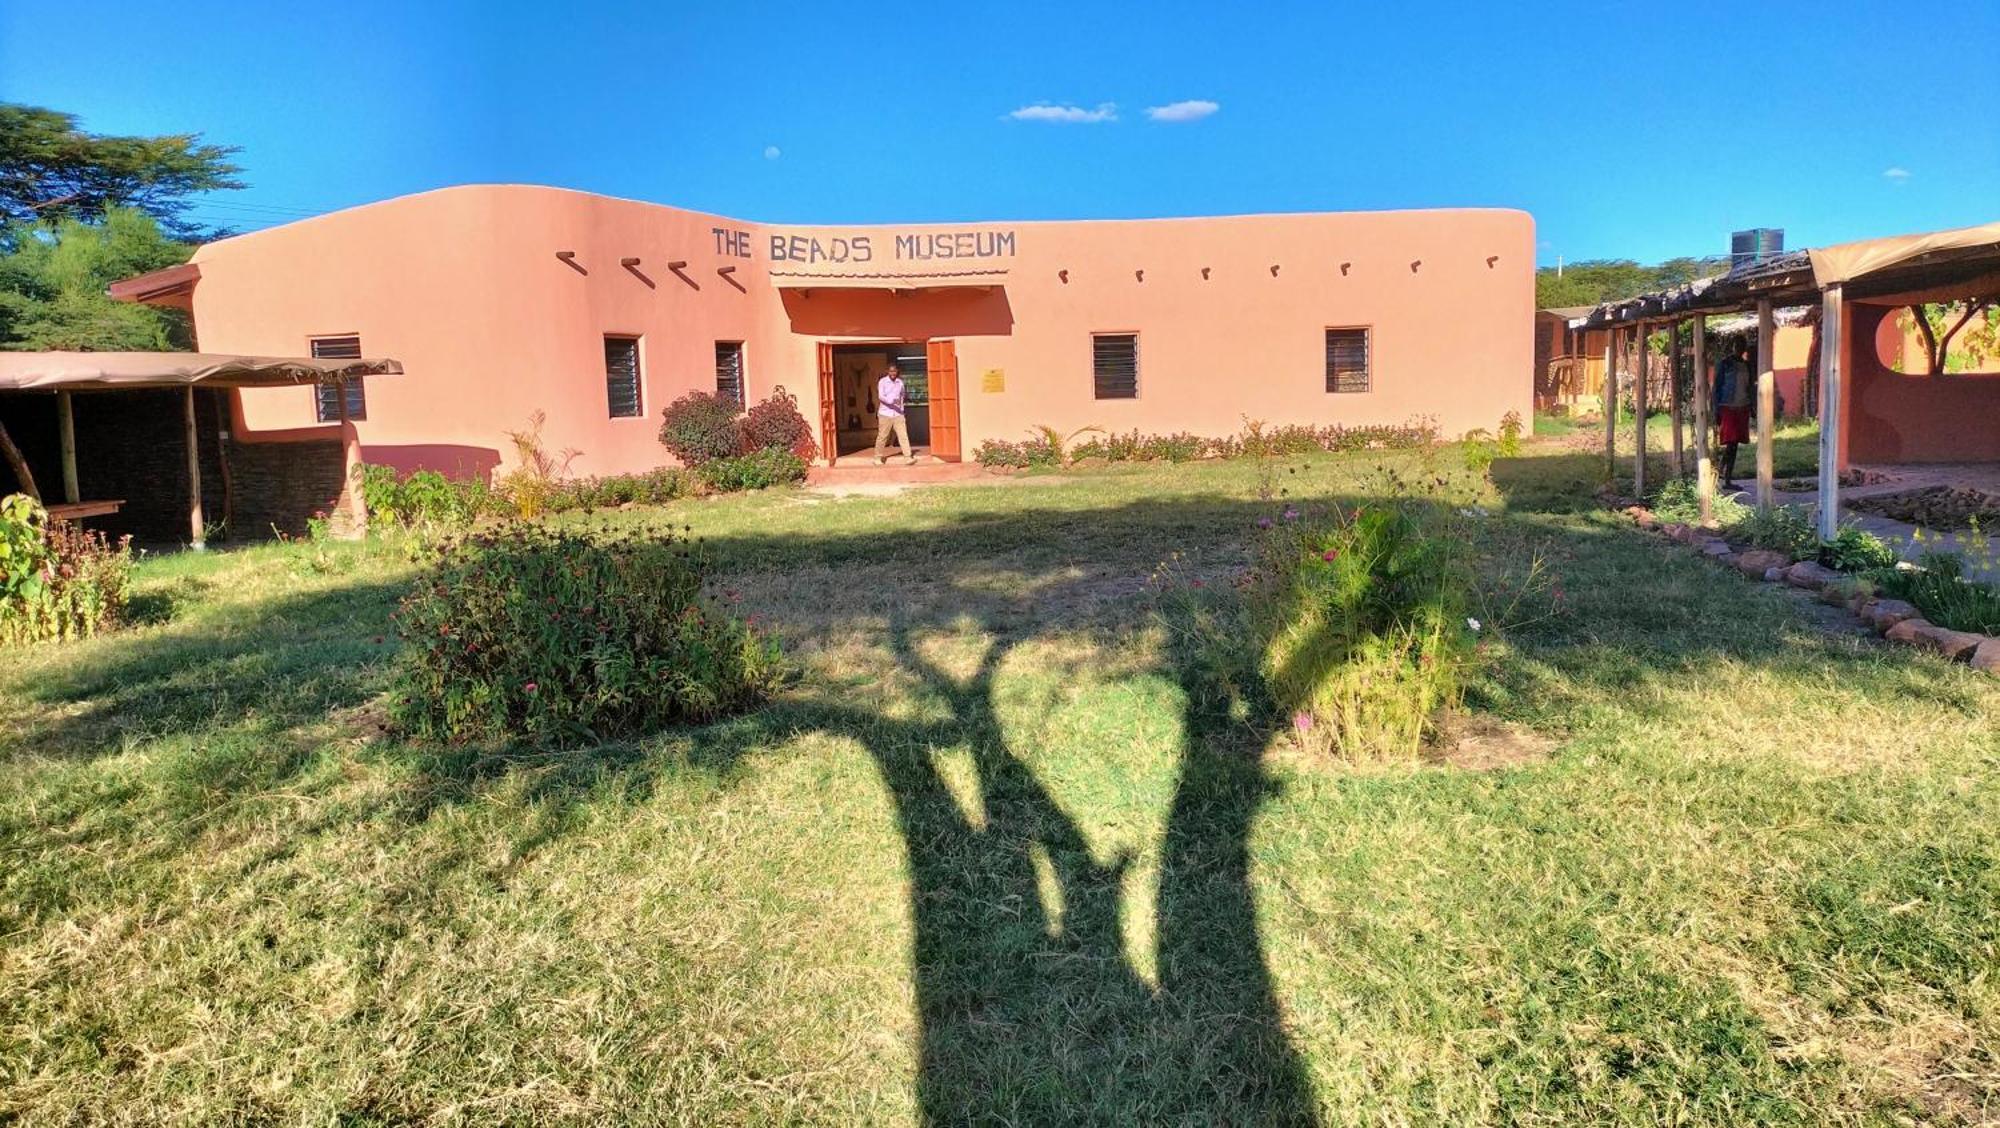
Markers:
1986,656
1645,519
1774,575
1811,575
1955,645
1886,613
1906,630
1715,546
1675,531
1758,561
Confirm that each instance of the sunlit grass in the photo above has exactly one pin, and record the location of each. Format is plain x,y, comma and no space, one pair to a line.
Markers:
997,856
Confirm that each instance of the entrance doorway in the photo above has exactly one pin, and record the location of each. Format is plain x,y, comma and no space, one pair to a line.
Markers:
848,375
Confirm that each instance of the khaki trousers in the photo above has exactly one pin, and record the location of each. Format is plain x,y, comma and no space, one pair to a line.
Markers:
886,423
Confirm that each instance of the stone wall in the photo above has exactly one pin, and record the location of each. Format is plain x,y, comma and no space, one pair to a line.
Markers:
279,485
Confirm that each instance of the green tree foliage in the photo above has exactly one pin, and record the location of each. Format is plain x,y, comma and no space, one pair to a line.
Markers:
51,169
1603,280
52,280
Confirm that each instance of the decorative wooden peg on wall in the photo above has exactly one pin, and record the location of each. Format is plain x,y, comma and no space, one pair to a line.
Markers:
632,264
1204,274
1274,270
1414,264
1139,275
728,274
568,258
1064,275
1344,268
679,269
1490,260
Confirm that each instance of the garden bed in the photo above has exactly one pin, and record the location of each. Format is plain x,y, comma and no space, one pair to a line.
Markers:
1935,507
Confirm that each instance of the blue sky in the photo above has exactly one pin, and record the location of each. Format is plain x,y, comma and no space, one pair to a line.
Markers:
1635,132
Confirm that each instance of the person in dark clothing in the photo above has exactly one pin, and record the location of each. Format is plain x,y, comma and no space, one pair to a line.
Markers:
1733,381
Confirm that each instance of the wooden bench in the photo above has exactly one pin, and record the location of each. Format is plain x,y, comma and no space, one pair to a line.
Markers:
78,510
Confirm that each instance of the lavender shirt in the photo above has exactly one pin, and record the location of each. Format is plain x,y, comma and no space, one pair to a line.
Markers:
889,397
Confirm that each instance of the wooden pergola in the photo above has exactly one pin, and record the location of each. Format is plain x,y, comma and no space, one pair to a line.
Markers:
1962,264
63,374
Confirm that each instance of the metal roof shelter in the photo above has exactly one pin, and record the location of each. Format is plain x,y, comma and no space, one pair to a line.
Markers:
65,373
1961,264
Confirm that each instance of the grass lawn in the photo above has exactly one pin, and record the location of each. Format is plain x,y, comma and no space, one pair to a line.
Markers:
1000,855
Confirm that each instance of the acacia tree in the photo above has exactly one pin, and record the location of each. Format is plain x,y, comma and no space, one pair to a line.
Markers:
1939,323
53,279
52,169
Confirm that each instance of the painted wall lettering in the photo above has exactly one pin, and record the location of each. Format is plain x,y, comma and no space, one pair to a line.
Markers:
735,243
809,250
812,249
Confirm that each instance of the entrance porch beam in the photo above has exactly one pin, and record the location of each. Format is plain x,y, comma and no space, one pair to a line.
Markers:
1832,343
1767,403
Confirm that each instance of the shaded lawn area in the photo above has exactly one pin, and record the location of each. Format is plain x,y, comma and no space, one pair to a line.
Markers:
1006,852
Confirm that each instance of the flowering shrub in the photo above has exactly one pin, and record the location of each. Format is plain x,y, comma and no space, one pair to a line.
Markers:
562,635
57,580
701,426
754,471
1255,441
774,423
1362,626
654,487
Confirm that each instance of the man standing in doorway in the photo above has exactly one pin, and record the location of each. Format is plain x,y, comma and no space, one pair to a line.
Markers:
889,415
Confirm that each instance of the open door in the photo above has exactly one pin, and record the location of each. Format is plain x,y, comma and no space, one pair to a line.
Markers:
942,358
829,418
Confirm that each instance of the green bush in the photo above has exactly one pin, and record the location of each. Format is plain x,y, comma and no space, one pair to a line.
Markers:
1854,549
550,635
1044,445
58,581
1779,528
1510,435
424,499
701,427
1939,588
654,487
754,471
1361,622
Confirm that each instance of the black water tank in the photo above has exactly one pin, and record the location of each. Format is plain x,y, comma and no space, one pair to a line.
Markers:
1755,245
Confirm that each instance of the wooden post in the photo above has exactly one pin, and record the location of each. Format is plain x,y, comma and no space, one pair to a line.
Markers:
18,464
1767,403
1639,410
1678,399
1611,405
1704,398
1832,339
66,433
196,539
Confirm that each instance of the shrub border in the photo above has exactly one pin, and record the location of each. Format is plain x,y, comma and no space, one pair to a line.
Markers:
1893,619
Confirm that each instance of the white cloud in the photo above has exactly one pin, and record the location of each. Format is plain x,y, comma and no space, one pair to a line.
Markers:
1896,174
772,152
1194,109
1069,115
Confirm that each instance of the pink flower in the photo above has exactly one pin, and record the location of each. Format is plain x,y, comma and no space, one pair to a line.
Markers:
1263,522
1330,554
1302,721
529,687
1291,514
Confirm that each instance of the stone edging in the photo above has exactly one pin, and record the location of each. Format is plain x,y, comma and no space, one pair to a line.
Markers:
1893,619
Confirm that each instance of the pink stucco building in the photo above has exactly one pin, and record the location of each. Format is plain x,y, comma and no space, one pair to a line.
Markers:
502,300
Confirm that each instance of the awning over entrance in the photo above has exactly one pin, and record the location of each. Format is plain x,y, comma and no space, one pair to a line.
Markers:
973,281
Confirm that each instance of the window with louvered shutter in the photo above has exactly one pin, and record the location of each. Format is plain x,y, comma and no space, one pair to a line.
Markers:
326,404
621,376
1114,364
729,372
1347,360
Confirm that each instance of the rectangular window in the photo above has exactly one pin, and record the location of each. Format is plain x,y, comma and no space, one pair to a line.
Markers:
1114,365
729,372
1347,360
621,376
327,403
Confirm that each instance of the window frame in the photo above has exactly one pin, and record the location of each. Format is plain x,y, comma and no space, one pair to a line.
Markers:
1367,360
356,390
742,372
1096,387
636,340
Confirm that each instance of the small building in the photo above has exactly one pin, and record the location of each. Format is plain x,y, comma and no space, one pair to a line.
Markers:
502,301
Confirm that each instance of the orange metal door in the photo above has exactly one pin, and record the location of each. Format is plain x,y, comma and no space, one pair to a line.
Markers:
942,357
829,421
